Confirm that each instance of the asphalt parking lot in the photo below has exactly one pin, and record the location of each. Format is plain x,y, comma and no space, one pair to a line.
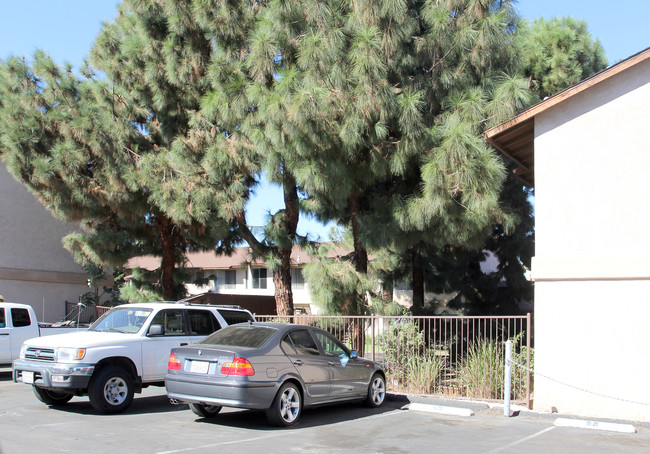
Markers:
153,425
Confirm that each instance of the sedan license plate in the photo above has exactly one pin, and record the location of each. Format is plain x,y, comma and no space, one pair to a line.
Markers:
28,378
199,367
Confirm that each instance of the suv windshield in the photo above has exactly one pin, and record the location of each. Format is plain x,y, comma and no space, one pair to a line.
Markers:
121,319
241,336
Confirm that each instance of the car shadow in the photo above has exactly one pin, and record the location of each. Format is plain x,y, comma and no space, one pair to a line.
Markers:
311,417
5,374
232,417
140,405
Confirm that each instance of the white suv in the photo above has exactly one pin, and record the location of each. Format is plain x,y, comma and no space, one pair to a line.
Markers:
124,351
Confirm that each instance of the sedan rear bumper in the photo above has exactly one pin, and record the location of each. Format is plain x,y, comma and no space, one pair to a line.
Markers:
227,393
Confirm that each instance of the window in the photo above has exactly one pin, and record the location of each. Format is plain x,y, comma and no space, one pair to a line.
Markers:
123,319
297,279
2,318
259,277
230,279
241,336
331,345
287,346
172,321
303,342
402,285
233,317
20,317
202,322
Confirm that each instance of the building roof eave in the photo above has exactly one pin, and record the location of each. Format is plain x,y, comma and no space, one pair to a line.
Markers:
515,137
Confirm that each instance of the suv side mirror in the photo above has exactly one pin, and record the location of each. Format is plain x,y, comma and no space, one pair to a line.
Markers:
354,354
155,330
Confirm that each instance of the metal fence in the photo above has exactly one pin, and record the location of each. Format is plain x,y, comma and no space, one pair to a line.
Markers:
461,357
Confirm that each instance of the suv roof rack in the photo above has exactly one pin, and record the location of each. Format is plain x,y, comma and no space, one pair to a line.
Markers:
193,303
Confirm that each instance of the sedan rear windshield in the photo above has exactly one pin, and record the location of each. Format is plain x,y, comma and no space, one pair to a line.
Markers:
241,336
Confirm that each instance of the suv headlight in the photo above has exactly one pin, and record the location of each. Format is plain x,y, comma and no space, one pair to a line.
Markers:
23,349
70,354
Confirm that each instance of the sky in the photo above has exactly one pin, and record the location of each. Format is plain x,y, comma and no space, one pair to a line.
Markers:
66,29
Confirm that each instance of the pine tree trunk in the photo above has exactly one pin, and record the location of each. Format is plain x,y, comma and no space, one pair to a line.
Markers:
418,283
168,262
282,283
360,254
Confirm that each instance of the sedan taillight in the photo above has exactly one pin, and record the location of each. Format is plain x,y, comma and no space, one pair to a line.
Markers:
238,366
174,363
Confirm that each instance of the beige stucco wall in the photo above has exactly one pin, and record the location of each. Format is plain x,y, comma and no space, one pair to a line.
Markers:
595,337
34,266
591,265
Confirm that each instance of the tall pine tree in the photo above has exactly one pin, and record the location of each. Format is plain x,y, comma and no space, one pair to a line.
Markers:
114,149
399,93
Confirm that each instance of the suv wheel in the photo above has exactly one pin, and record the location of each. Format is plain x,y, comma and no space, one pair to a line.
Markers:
205,411
49,397
111,390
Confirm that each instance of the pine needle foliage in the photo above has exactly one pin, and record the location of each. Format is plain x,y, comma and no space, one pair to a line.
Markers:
558,53
121,149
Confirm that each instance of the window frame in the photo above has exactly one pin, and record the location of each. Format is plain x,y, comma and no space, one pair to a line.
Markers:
214,323
165,333
20,317
330,337
297,279
257,281
302,350
229,275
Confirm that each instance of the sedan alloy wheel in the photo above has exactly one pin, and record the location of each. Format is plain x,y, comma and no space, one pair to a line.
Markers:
286,406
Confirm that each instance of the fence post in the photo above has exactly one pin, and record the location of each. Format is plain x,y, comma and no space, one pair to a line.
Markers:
528,330
372,324
507,382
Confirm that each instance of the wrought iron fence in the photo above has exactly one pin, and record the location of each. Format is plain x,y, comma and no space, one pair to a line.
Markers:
450,356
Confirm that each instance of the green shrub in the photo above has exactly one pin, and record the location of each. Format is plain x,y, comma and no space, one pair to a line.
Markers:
519,373
481,370
408,362
400,341
423,373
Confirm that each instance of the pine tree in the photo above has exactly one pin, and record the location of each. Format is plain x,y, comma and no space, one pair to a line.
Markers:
554,55
399,95
558,53
116,149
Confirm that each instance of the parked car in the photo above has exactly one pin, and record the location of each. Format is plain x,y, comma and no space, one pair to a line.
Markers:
17,324
279,368
125,350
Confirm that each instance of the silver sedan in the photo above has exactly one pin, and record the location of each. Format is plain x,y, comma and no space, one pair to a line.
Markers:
280,368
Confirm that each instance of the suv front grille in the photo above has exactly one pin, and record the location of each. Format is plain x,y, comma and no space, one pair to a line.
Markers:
40,354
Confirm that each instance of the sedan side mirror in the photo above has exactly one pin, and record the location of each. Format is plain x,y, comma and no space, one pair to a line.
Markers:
155,330
354,354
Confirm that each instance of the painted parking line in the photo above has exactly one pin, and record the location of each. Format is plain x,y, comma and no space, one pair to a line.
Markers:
523,440
280,434
224,443
59,424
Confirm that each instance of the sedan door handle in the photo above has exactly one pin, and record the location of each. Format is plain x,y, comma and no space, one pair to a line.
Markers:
298,362
331,363
183,344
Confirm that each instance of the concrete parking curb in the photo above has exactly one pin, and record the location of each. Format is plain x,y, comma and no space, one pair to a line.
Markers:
595,425
440,409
